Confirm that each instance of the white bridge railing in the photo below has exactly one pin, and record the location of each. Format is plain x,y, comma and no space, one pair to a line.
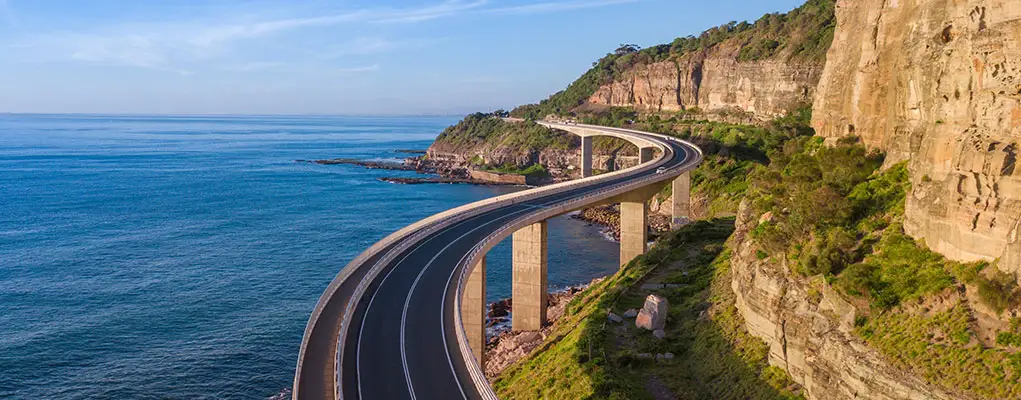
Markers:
408,236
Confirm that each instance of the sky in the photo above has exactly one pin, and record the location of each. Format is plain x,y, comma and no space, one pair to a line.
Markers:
384,57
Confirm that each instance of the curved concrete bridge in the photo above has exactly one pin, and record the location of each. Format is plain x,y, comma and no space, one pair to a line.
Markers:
406,318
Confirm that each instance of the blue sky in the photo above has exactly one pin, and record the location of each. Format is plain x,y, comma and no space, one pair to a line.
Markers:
323,57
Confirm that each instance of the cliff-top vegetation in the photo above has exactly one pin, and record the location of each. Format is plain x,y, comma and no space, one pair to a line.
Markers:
587,356
829,210
487,129
803,34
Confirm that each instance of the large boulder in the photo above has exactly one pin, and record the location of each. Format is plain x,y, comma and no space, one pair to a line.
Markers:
653,314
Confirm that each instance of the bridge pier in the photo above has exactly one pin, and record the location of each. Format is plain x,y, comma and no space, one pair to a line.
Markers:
681,207
473,311
586,156
645,154
634,222
529,286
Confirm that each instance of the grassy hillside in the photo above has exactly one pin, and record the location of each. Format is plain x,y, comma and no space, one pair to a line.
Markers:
488,130
830,211
589,357
803,34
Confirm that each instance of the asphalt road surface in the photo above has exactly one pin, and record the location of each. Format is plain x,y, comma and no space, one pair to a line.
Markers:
401,341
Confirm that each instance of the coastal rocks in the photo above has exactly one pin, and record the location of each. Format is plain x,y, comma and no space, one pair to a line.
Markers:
653,314
938,83
504,347
362,163
458,181
809,330
631,313
609,216
614,318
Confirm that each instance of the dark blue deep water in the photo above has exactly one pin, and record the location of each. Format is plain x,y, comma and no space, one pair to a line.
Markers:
179,257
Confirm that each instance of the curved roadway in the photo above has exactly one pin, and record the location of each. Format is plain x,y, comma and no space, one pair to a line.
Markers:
388,325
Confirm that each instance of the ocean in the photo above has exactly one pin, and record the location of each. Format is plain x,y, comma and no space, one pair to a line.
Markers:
178,257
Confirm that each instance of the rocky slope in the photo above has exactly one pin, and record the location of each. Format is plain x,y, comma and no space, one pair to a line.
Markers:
937,82
715,82
759,70
809,329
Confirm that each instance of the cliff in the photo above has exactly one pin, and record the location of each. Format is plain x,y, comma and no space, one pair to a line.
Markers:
714,82
937,82
763,70
809,329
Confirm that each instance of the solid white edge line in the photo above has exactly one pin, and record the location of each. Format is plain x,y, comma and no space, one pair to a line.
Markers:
411,293
361,329
689,148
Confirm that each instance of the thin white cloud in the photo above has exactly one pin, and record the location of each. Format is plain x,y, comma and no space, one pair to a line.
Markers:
556,6
253,66
180,46
447,9
229,33
366,45
367,68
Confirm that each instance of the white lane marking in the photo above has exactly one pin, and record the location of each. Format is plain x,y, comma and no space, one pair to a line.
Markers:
361,329
407,300
443,329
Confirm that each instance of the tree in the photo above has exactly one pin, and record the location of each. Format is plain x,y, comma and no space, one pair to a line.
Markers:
626,49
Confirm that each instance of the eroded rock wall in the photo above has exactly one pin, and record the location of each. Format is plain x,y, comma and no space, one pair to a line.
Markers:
809,330
936,82
715,82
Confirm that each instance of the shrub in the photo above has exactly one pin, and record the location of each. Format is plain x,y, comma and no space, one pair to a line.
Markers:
998,290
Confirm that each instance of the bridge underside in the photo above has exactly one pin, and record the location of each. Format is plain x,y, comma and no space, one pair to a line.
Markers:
530,286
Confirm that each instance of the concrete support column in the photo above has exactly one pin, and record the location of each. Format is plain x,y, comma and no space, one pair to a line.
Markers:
529,289
681,207
634,216
586,156
473,311
645,154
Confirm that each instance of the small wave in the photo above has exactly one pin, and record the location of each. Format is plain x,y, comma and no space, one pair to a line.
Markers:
284,394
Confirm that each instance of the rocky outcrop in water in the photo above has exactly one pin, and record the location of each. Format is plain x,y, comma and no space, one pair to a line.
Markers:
936,82
504,346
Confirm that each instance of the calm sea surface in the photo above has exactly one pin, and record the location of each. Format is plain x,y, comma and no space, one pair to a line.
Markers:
179,257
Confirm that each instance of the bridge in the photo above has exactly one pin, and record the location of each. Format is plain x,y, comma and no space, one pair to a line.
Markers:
406,318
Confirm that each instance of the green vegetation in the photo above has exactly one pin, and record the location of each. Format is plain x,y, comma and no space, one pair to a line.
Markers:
486,129
938,349
536,170
804,33
829,210
586,356
732,152
833,213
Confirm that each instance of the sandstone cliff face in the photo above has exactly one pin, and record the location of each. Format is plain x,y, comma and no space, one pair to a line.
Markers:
937,82
715,82
809,330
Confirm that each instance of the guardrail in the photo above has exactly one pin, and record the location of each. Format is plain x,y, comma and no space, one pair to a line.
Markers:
483,247
413,233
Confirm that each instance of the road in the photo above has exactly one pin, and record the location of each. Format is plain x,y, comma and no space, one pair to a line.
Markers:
399,335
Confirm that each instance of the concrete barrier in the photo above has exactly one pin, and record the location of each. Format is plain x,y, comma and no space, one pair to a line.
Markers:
407,236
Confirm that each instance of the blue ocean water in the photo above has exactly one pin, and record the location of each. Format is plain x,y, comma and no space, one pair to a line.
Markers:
179,257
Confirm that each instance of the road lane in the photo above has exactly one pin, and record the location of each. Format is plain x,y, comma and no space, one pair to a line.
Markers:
401,341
